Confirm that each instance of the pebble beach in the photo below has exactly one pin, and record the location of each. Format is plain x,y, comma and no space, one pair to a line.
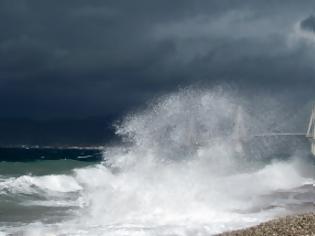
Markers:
296,225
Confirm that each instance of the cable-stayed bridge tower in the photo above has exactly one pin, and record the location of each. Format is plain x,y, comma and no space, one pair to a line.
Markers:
310,134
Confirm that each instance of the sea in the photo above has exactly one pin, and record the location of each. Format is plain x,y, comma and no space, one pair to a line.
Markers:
189,164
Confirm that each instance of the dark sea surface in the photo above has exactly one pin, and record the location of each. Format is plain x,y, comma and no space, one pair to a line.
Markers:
23,154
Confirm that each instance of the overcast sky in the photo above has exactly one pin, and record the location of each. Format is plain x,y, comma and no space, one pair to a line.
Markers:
94,58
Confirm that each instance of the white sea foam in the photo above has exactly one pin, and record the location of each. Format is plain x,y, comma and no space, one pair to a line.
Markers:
33,184
183,172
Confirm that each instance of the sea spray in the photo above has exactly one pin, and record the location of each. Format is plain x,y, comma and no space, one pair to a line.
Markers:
185,168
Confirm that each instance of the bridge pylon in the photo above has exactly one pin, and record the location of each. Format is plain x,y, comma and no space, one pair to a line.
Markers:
310,134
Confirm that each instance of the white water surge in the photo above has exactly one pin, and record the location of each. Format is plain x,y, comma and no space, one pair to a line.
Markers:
182,170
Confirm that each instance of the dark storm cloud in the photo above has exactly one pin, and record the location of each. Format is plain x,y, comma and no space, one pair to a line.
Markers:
308,24
94,58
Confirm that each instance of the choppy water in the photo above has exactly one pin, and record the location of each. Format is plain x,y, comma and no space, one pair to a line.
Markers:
188,166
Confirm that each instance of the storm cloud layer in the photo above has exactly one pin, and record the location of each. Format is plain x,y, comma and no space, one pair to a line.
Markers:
95,58
308,24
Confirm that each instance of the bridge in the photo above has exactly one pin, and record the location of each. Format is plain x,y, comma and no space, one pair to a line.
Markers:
239,130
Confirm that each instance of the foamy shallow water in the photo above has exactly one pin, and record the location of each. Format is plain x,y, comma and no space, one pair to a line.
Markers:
153,205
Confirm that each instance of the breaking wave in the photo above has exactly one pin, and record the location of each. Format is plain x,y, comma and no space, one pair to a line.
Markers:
186,167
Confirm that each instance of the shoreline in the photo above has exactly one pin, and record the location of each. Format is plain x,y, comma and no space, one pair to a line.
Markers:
292,225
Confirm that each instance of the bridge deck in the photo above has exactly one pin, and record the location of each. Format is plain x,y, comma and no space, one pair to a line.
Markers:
280,134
